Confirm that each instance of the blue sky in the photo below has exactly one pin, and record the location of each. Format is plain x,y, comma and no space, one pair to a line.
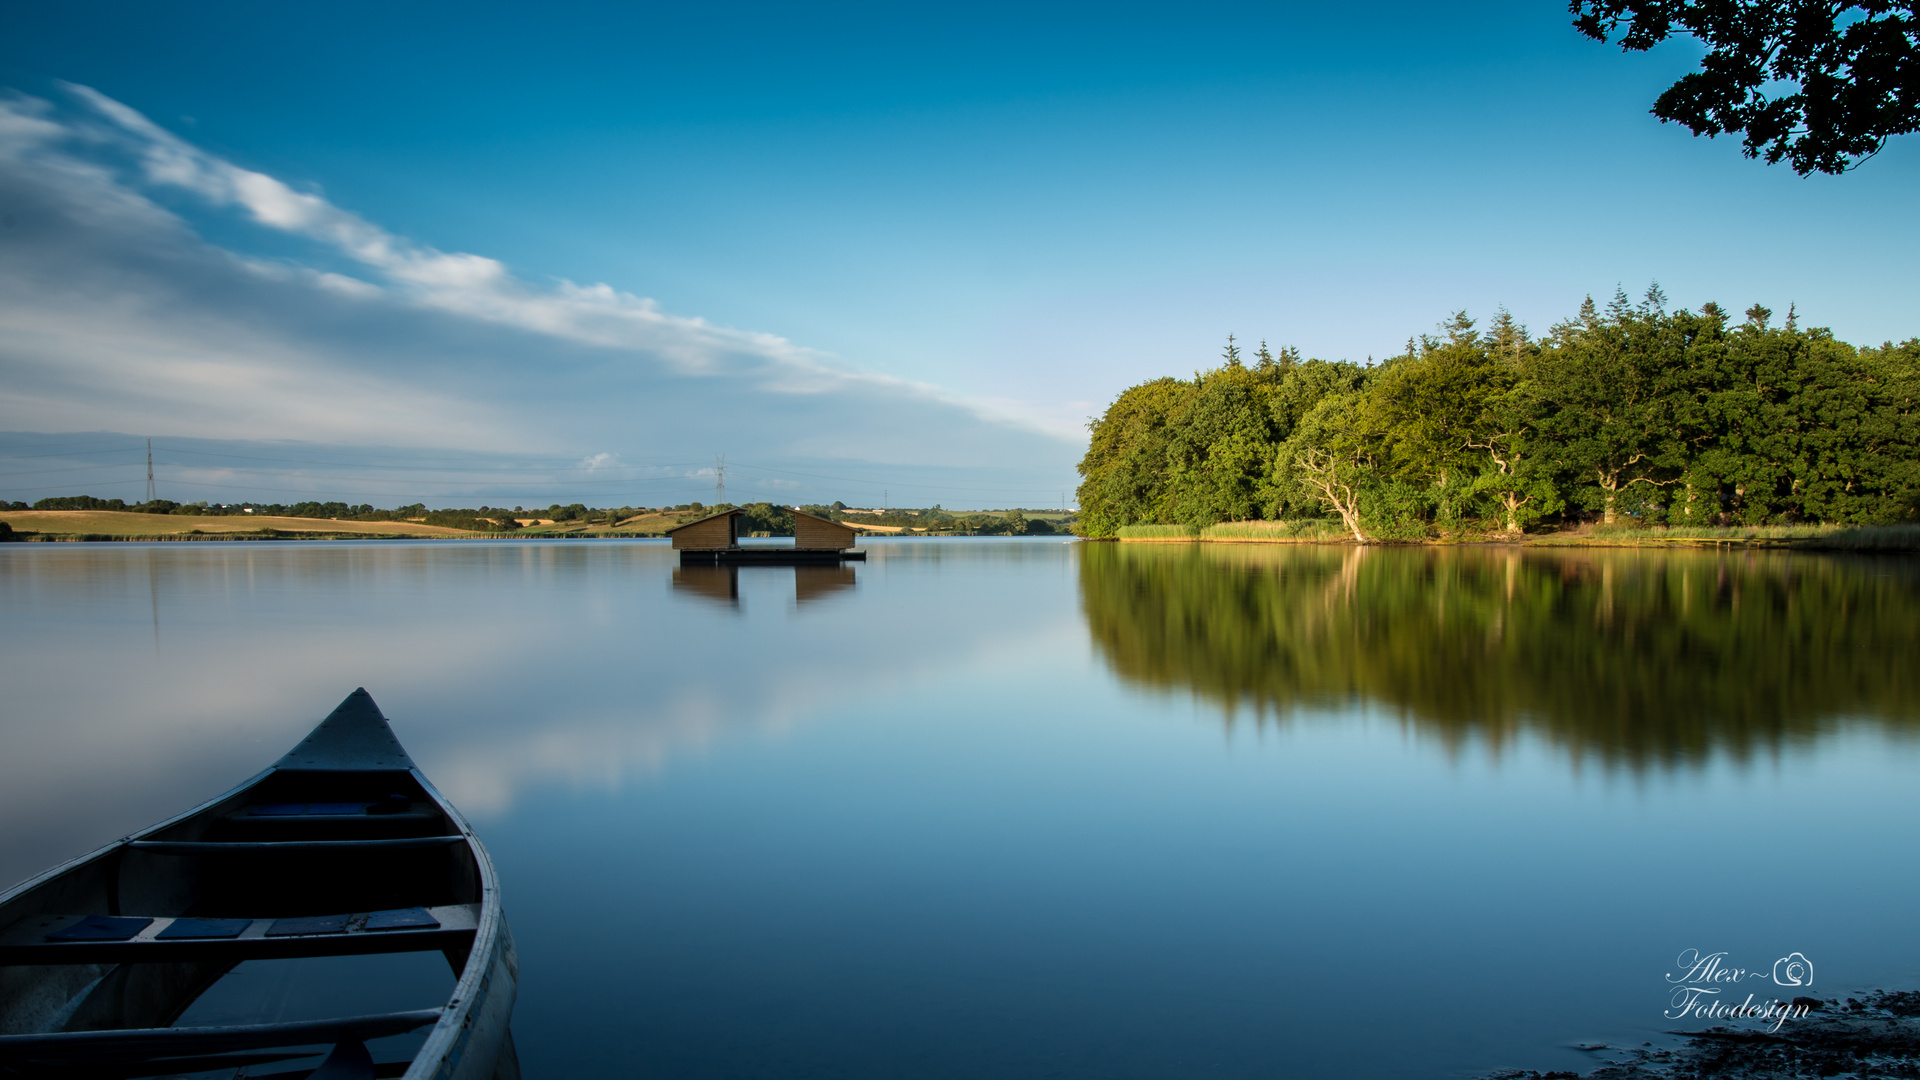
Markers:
910,250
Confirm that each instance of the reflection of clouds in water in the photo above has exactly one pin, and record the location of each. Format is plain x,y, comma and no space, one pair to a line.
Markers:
161,734
483,772
502,666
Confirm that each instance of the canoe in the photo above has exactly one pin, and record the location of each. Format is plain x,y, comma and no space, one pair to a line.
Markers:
342,848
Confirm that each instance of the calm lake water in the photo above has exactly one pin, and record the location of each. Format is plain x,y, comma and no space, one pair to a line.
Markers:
1028,808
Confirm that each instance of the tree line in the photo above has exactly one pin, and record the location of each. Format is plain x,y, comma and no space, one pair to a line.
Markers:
1627,413
760,518
484,519
775,520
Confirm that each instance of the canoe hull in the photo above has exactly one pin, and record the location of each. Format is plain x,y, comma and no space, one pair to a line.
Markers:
121,990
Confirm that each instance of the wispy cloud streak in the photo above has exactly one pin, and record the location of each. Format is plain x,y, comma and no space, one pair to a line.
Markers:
120,314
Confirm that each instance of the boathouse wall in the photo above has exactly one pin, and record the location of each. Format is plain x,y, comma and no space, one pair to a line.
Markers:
719,531
818,533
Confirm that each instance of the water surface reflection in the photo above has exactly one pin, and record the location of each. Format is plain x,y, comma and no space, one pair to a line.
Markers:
721,584
937,815
1636,657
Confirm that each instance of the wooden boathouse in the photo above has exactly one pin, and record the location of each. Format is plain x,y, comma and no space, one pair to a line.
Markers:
715,539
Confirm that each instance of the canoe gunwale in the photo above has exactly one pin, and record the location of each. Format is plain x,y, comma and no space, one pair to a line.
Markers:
115,847
474,994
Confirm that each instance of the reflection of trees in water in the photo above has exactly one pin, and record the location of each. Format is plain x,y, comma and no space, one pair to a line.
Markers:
1641,657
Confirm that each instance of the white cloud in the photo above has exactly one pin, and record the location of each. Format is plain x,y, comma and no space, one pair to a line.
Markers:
116,313
477,286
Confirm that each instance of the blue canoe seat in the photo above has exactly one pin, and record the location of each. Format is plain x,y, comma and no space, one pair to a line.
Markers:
317,809
89,939
412,918
101,928
201,929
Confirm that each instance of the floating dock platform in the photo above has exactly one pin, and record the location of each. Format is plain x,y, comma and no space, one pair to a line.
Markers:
769,556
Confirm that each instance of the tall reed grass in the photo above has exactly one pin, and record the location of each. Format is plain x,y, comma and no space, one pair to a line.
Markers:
1736,533
1872,538
1312,529
1892,538
1157,532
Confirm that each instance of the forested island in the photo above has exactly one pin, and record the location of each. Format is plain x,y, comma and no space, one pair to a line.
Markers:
1627,414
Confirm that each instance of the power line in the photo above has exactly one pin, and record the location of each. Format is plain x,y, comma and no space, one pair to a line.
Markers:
70,487
508,494
74,468
497,470
500,470
404,480
475,477
419,468
70,453
917,487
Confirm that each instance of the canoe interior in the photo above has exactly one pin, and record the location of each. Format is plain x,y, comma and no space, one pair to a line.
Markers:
352,853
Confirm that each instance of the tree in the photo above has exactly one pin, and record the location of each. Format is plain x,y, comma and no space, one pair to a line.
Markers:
1850,66
1327,458
1124,469
1426,410
1219,450
1603,386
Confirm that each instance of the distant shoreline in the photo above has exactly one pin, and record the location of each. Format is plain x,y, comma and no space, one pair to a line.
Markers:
263,537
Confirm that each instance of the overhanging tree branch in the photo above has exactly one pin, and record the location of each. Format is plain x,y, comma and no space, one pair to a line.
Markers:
1851,65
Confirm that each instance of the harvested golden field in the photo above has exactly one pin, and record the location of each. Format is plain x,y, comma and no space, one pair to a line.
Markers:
639,523
118,523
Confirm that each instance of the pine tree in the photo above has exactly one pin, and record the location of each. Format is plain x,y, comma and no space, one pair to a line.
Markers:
1232,353
1507,338
1656,300
1620,309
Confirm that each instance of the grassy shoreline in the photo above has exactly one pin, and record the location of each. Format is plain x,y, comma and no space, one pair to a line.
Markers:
305,534
1903,539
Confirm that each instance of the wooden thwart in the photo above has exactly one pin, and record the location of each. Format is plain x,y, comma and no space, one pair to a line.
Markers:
135,1043
287,847
27,941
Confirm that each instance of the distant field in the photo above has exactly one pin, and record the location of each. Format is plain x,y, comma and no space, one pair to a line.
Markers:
116,523
639,523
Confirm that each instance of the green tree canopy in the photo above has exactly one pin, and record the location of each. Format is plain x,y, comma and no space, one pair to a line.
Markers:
1631,412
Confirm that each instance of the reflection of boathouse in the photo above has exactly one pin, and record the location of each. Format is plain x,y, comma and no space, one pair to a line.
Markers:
715,540
721,583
